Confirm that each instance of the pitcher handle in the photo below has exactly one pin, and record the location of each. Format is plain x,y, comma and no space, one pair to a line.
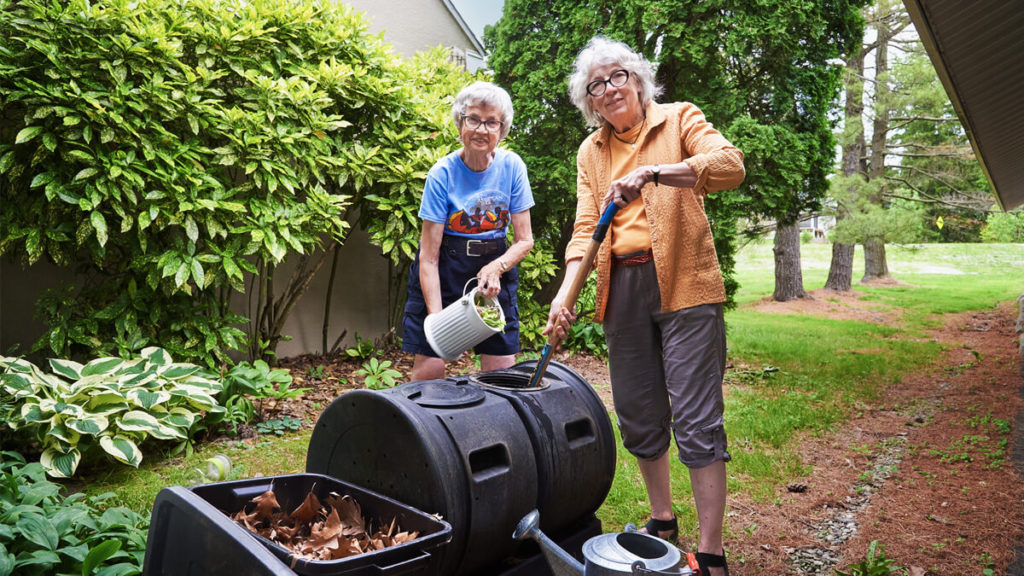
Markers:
638,568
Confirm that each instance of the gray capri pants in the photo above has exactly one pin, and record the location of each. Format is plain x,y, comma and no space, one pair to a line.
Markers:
666,370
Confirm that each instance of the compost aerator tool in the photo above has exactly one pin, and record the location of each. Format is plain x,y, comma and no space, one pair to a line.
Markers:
574,290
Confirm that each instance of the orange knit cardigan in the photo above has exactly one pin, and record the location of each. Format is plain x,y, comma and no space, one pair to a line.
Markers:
684,251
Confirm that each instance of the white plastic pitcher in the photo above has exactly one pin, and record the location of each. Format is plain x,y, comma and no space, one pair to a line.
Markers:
459,327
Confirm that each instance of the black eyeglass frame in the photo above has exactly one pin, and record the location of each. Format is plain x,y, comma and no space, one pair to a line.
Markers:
602,85
468,122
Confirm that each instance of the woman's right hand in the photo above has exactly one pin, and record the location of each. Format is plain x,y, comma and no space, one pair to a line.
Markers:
560,320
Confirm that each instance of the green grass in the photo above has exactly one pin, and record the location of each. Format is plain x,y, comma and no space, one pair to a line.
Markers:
271,456
808,374
795,375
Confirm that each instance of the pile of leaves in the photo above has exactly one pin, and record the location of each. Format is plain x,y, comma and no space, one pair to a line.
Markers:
319,531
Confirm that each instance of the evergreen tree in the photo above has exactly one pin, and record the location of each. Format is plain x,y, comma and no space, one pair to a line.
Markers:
764,75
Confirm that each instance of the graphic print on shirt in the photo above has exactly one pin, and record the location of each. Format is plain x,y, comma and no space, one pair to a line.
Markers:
487,213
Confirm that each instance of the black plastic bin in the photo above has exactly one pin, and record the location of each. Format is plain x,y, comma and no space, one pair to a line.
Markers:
481,451
191,533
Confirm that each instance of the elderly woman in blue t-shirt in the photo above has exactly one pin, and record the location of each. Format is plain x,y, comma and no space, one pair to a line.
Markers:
470,197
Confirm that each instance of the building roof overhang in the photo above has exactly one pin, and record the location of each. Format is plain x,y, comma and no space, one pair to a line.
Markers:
977,48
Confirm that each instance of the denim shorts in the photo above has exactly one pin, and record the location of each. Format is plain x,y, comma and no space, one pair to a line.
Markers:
666,371
455,266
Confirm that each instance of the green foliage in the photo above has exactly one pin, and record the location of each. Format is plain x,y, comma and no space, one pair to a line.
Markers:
278,426
954,226
44,533
415,131
587,335
536,270
378,374
363,349
772,102
108,321
110,402
243,384
318,372
868,221
936,163
175,150
1005,227
876,564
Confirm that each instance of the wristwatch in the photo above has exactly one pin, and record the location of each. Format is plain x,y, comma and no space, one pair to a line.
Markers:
655,171
504,267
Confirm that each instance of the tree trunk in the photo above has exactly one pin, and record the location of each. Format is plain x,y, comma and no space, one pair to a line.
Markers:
789,279
875,265
840,271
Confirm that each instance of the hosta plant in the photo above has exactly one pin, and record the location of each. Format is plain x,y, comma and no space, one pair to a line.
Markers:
43,532
112,403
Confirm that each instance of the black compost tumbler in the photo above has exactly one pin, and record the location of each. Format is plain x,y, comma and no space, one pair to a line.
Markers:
481,451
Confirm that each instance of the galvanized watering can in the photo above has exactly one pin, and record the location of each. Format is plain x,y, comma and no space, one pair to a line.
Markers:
628,553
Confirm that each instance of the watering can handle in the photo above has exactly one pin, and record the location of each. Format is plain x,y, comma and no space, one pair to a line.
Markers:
638,568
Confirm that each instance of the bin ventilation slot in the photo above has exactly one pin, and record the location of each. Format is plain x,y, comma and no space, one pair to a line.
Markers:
579,432
488,462
507,380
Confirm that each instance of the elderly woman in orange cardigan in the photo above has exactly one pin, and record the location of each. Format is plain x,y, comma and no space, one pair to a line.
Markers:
659,288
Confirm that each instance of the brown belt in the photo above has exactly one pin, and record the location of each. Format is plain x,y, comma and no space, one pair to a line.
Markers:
635,260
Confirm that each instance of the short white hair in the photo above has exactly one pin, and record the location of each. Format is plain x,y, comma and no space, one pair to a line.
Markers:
601,51
484,94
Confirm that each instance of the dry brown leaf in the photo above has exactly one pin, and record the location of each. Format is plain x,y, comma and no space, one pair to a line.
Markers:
403,537
306,511
324,531
351,516
265,503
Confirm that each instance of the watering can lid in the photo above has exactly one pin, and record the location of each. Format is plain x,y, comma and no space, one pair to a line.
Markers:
617,552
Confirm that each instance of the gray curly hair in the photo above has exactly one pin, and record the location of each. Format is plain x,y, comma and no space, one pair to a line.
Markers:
484,94
601,51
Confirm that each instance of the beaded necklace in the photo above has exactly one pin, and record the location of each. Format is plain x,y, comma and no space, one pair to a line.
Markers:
633,143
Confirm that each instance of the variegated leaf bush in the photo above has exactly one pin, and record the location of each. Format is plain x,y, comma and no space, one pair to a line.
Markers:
114,403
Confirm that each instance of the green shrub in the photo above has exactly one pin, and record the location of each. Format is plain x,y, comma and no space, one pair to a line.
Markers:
43,533
1006,227
112,403
875,564
243,384
378,374
537,269
176,151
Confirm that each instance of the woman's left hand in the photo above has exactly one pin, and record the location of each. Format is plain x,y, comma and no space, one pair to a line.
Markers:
625,189
489,279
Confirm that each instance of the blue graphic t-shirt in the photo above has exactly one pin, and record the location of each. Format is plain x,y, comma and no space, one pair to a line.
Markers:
477,204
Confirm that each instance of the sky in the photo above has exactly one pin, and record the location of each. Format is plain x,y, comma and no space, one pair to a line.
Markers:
479,13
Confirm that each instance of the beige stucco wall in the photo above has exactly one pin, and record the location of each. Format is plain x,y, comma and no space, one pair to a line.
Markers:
359,301
413,25
18,292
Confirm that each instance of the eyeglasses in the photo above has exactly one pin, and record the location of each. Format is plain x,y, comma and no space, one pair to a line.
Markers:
472,122
599,87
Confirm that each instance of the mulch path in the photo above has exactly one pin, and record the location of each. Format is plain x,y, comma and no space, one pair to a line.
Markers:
919,470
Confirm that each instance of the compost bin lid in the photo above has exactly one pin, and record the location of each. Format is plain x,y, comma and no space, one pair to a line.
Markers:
443,393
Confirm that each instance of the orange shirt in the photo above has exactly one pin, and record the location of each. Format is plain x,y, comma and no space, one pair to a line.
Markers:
629,231
680,236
